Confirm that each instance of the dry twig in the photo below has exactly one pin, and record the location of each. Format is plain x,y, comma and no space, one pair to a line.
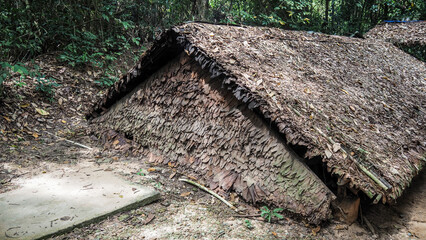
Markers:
209,191
66,140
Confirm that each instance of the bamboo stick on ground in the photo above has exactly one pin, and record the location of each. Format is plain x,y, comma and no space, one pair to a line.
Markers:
66,140
209,191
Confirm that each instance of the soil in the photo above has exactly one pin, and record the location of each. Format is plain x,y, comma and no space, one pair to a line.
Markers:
28,148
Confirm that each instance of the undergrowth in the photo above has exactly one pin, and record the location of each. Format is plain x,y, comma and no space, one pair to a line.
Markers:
94,34
44,85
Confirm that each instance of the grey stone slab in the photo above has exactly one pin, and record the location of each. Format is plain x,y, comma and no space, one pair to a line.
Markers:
56,202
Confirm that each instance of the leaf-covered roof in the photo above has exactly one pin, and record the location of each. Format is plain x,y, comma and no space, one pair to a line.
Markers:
360,104
408,33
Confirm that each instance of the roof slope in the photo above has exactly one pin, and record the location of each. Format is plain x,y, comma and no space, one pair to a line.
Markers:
409,33
360,104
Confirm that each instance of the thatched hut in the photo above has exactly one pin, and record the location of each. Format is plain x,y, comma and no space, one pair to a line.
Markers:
255,110
409,36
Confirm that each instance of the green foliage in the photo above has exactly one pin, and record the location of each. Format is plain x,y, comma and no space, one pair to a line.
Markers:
43,84
7,70
248,224
94,33
140,173
4,73
87,33
107,80
268,215
46,85
417,51
330,16
158,185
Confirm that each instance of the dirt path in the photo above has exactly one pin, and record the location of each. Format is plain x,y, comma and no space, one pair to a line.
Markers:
184,211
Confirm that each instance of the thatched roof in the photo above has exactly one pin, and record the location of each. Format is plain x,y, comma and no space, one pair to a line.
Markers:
407,33
359,104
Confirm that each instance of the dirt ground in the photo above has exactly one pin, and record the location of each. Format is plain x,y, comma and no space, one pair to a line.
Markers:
28,148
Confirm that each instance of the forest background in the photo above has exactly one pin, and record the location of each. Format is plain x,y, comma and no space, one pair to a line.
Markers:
93,34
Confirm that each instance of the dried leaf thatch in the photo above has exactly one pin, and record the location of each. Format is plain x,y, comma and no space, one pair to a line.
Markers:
409,33
359,104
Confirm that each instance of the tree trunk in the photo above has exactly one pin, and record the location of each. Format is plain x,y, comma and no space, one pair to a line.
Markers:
200,9
327,7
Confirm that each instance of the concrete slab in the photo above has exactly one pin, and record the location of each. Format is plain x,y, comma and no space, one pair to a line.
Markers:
57,202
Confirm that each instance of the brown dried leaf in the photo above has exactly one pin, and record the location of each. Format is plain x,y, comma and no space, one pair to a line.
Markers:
316,230
185,194
42,112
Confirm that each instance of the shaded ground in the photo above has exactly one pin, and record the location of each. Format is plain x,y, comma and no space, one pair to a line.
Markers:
184,212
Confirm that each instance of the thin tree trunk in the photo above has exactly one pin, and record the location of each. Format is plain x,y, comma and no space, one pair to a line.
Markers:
327,7
200,9
332,14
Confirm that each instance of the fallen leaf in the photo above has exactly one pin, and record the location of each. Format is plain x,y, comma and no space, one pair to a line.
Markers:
115,142
25,105
149,219
151,169
170,164
336,147
42,112
275,234
185,194
63,121
232,197
172,175
35,135
307,90
340,227
328,154
193,178
343,90
7,119
316,230
121,196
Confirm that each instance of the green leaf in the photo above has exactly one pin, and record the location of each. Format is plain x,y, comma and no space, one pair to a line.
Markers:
279,216
136,41
20,69
104,16
278,210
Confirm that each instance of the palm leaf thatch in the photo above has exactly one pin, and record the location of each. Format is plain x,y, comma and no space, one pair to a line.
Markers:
234,104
